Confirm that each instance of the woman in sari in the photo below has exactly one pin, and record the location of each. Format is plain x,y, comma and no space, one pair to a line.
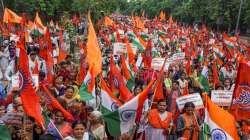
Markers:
63,127
188,124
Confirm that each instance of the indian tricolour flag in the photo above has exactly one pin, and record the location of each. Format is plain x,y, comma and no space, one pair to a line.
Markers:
123,119
137,41
219,52
219,124
229,41
162,41
203,79
87,89
109,102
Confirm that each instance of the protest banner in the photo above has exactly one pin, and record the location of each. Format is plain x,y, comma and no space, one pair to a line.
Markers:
195,98
158,62
120,48
222,97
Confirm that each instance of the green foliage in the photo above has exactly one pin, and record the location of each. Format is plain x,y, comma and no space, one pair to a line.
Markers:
201,11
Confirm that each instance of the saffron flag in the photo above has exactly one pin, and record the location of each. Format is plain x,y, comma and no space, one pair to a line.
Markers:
62,53
30,99
158,91
38,24
108,21
94,56
117,82
241,104
162,16
127,73
10,16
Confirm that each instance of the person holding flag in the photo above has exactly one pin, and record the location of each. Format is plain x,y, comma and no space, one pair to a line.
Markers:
160,122
188,123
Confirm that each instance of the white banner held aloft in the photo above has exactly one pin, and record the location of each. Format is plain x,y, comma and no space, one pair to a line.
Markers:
195,98
176,57
222,97
158,62
120,48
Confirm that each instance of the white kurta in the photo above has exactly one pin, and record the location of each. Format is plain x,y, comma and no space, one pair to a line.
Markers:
152,133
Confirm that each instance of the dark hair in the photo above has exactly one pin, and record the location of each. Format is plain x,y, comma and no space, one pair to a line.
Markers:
161,100
70,87
78,122
189,104
176,82
47,137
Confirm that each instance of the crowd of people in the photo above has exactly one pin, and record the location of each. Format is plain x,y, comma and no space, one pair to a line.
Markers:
133,42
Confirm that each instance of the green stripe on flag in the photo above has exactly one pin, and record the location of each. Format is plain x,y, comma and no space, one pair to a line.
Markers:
138,44
84,94
130,84
205,132
113,122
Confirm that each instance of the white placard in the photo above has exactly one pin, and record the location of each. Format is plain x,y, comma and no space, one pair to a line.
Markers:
120,48
195,98
222,97
178,56
158,62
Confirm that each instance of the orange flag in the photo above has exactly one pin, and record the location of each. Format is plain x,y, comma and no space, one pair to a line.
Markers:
27,92
62,53
215,74
10,16
38,23
117,82
158,92
94,57
162,16
131,55
108,21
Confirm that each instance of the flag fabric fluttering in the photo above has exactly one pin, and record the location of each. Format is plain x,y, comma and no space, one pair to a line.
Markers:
62,53
241,104
117,82
158,92
162,16
127,73
87,89
30,99
218,123
38,24
10,16
51,100
94,56
109,102
203,79
123,119
108,21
